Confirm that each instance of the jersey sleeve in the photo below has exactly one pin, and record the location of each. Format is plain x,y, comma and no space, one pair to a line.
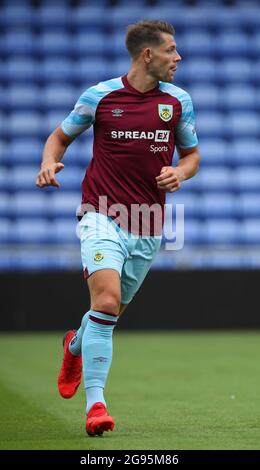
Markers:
82,116
185,132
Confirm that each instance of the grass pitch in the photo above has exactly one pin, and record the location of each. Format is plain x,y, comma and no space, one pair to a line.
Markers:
166,391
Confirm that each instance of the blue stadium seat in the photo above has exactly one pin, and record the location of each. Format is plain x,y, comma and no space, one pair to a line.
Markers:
246,179
64,231
22,177
57,69
116,45
244,151
24,97
52,120
13,15
232,43
192,231
251,231
4,178
92,70
54,43
61,96
57,2
181,17
239,97
79,153
214,151
25,150
221,232
135,3
91,44
30,231
53,16
20,69
4,204
82,3
89,17
225,259
3,152
3,123
5,229
196,43
256,44
19,42
243,124
73,153
27,123
255,77
24,3
125,15
210,124
220,18
235,71
206,96
65,204
249,204
215,179
218,205
28,204
249,17
71,178
190,201
120,67
201,70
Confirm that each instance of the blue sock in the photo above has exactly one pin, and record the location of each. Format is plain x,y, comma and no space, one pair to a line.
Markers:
94,394
97,348
76,341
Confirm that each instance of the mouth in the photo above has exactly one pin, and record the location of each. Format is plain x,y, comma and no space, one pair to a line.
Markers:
173,69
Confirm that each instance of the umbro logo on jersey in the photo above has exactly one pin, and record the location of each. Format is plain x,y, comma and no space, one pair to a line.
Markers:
117,112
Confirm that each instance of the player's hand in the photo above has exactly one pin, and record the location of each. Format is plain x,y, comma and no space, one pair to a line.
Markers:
169,179
46,175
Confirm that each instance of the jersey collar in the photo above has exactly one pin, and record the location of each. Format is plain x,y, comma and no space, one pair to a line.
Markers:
129,87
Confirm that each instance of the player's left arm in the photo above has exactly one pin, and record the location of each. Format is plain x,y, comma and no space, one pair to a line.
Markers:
186,141
170,178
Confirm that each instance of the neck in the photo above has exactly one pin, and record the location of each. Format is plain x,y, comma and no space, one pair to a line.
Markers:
140,80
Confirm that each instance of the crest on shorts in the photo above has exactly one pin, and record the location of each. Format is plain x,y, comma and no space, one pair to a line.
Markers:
165,111
98,256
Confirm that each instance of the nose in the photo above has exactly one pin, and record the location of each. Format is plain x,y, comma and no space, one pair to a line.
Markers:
177,57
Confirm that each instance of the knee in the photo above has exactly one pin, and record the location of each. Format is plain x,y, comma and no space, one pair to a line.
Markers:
107,302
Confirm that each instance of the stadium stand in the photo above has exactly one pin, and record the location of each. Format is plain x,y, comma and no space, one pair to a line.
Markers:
50,52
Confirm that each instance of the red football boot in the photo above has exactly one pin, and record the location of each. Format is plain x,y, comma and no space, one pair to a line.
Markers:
69,376
98,420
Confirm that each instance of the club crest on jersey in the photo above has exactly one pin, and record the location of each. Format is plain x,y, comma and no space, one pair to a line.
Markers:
165,111
98,256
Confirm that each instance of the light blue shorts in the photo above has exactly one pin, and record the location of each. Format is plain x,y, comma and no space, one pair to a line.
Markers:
104,245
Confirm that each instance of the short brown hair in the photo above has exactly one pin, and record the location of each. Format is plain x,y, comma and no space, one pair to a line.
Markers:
146,33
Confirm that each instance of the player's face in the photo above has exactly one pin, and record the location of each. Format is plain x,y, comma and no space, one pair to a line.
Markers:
164,59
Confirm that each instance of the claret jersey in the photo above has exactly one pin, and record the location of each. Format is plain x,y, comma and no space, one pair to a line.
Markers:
135,135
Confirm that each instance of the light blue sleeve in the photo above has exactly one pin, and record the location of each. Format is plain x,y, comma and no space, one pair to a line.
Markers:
82,116
185,133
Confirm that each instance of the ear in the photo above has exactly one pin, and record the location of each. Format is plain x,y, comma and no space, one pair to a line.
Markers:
147,55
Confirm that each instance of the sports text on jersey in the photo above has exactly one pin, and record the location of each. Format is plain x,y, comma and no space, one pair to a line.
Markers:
157,136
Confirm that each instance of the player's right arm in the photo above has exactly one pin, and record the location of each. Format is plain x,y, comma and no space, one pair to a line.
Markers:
80,119
54,149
